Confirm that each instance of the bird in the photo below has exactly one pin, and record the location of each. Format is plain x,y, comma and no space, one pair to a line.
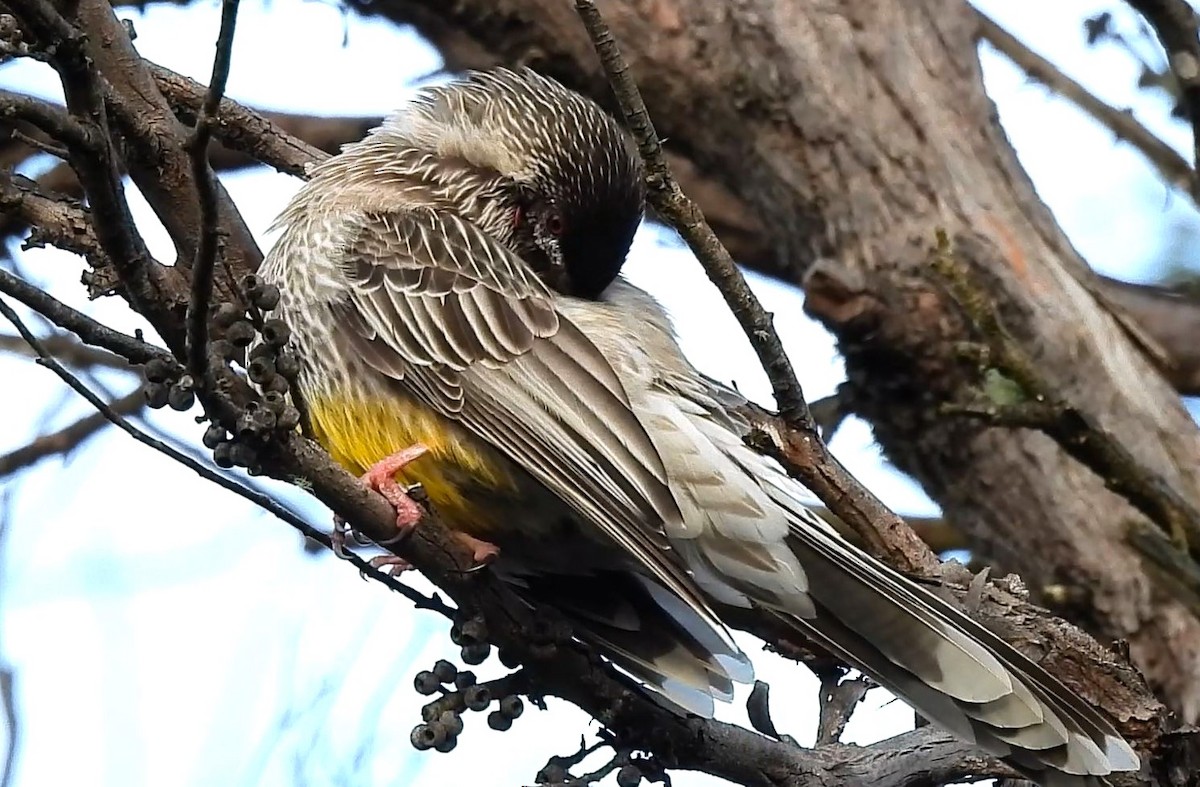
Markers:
453,287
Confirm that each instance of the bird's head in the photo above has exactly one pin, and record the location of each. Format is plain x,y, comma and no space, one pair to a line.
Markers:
572,186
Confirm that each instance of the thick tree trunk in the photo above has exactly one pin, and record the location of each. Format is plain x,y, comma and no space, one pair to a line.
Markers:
856,128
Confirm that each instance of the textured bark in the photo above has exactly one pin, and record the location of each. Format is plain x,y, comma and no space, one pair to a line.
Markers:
854,129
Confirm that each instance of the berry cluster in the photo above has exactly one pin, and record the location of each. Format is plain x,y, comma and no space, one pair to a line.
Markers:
443,718
269,364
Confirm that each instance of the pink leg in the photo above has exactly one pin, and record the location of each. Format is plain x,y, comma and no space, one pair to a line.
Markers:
482,552
382,478
389,564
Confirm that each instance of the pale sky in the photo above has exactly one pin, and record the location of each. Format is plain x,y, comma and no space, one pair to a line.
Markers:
163,632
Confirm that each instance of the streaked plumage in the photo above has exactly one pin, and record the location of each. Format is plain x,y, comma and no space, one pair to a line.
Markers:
450,280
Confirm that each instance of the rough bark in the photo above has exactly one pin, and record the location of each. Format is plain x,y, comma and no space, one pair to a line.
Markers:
855,129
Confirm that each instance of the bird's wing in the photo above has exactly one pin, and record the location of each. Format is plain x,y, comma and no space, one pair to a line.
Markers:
919,646
466,327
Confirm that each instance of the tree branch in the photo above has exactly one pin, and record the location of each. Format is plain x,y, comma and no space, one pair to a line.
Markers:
68,438
684,216
202,174
1174,21
1172,167
78,323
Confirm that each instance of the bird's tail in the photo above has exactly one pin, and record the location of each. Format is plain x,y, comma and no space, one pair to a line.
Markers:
947,666
649,633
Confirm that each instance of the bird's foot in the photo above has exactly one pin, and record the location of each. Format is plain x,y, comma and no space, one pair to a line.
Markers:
482,552
392,565
381,478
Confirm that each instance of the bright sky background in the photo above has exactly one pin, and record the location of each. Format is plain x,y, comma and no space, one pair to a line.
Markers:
163,632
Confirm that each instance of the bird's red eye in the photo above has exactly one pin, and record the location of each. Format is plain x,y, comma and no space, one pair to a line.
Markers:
555,224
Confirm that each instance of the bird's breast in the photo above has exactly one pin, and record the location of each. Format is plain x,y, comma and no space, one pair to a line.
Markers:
461,475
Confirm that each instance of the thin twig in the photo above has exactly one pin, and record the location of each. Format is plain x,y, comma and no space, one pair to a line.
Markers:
69,350
1173,168
673,206
1175,23
68,438
54,120
91,156
793,437
78,323
63,224
44,358
207,248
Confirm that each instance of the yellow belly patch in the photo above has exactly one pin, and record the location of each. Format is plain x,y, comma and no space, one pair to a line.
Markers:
359,432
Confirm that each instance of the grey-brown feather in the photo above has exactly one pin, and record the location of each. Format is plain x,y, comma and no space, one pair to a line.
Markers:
401,270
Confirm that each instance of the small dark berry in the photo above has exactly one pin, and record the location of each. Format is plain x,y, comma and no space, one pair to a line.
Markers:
157,370
274,401
267,297
512,706
447,745
498,721
275,332
551,774
508,658
214,435
475,652
278,383
261,350
456,633
242,455
181,398
422,737
429,713
477,697
474,630
221,455
156,395
241,333
464,679
246,427
445,671
260,370
223,348
264,420
227,314
288,418
287,364
452,722
426,682
252,284
629,776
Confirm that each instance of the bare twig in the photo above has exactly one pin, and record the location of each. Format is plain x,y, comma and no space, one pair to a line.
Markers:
53,120
264,136
52,221
12,724
207,248
78,323
68,438
263,501
792,437
1173,168
92,156
1175,23
683,215
839,697
68,350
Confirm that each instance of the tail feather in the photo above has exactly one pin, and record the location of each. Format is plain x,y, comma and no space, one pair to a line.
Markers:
950,667
649,633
